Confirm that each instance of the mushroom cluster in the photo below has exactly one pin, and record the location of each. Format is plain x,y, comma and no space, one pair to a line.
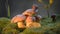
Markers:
28,19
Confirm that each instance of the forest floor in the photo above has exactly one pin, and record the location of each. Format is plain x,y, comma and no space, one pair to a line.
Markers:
47,27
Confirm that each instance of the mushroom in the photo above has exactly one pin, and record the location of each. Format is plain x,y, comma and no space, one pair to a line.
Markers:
19,19
32,23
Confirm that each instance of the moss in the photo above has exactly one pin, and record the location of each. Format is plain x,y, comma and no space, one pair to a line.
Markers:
47,27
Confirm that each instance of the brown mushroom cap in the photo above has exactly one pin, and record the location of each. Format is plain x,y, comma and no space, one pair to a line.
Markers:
18,18
29,12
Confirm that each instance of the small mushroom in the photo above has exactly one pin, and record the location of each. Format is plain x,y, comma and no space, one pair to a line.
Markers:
32,23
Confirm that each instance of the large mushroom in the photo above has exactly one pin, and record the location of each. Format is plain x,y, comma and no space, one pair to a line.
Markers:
19,19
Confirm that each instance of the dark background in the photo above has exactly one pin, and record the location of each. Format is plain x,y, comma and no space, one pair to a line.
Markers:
18,6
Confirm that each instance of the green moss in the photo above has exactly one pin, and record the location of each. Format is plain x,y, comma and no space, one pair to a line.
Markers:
47,27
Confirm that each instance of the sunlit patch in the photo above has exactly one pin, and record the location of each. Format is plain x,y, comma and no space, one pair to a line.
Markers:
21,25
33,25
50,1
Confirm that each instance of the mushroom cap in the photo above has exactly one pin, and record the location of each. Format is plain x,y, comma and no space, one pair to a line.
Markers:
29,12
18,18
30,19
35,5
